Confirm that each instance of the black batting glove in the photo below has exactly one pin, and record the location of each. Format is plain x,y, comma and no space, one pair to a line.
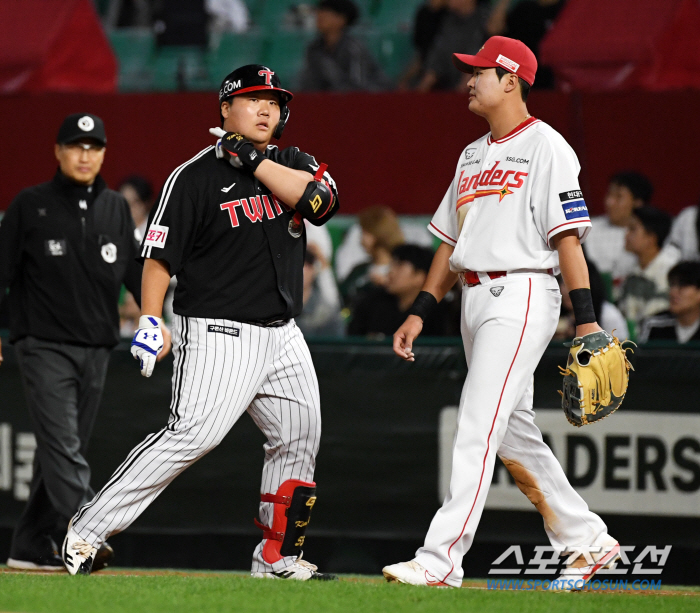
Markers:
241,150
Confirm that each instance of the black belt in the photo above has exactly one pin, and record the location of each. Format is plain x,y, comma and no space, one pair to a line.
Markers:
270,323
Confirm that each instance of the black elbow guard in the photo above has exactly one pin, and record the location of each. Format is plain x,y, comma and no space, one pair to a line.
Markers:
316,201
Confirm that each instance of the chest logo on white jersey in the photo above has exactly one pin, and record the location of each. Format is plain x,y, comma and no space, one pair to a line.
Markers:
497,291
227,189
496,181
469,153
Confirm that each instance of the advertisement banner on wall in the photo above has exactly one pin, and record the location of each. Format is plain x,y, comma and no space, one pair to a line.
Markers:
632,463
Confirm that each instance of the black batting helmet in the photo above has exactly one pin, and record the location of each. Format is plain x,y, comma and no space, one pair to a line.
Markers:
256,77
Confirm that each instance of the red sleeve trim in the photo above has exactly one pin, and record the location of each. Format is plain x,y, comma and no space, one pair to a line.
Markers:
438,230
578,222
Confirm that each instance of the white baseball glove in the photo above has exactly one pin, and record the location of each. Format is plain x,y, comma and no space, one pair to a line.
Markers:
147,343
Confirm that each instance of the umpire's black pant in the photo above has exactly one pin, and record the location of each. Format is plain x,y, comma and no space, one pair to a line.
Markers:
63,386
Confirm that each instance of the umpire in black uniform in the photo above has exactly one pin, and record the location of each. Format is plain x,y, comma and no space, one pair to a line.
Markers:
66,247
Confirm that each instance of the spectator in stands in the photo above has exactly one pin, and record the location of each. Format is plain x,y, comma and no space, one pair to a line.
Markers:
645,291
607,314
381,233
336,60
685,233
180,22
528,21
426,25
381,311
464,29
605,245
321,314
139,194
227,16
682,320
350,253
127,14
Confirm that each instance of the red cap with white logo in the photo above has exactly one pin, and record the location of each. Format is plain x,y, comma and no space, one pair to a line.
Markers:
507,53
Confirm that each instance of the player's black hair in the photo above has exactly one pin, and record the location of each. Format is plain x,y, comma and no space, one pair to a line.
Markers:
141,185
655,221
685,273
524,85
636,182
347,8
419,257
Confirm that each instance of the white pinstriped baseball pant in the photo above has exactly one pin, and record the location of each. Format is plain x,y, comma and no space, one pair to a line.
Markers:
218,374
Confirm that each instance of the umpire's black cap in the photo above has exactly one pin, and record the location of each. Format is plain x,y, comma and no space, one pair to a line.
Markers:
81,125
250,78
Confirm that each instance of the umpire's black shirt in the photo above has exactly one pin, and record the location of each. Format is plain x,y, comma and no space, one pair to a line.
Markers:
65,250
237,251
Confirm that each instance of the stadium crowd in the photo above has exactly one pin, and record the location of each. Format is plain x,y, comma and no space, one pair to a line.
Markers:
644,269
340,55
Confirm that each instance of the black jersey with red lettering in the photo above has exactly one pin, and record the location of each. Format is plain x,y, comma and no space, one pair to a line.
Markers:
236,249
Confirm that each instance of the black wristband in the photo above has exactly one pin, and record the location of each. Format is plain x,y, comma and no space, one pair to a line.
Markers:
251,157
582,301
424,303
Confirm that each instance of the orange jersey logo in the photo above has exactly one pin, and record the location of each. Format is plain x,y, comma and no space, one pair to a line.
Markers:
496,183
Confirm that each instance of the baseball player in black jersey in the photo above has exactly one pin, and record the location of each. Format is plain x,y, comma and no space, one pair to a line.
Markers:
229,223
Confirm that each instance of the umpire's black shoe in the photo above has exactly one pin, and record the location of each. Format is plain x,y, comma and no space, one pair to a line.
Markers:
103,557
47,562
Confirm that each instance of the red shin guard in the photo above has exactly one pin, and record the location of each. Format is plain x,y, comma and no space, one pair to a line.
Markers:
291,515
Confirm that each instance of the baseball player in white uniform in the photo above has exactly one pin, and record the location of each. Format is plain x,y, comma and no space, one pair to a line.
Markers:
513,217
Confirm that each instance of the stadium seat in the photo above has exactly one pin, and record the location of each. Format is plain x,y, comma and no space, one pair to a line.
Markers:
284,53
235,50
396,14
178,68
134,48
256,8
393,50
272,13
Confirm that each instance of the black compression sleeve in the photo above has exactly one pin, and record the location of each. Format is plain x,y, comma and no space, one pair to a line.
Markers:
582,302
424,303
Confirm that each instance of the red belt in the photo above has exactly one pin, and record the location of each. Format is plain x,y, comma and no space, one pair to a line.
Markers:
471,278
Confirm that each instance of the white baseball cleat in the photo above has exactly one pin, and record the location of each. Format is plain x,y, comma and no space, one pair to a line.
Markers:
574,579
411,573
78,555
301,570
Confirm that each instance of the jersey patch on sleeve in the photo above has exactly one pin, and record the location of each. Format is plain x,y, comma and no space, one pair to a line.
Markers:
575,209
575,194
573,204
156,236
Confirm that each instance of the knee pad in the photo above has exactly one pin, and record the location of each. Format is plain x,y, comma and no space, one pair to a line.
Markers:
291,515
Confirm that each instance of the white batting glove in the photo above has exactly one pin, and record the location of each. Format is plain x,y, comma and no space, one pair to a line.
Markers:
147,343
220,153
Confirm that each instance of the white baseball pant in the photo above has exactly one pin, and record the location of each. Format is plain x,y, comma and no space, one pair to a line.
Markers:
505,334
222,368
